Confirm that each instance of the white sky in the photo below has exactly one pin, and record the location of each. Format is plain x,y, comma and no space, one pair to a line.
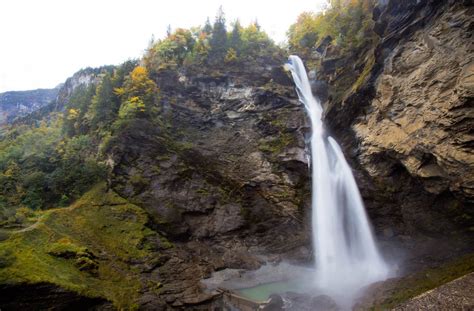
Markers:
43,42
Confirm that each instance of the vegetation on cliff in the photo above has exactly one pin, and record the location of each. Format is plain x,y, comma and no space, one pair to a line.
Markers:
338,42
41,168
55,159
347,25
88,247
209,45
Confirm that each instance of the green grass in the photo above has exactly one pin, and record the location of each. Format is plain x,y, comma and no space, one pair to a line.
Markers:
100,232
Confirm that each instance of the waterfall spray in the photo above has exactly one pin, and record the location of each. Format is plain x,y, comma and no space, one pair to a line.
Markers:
346,257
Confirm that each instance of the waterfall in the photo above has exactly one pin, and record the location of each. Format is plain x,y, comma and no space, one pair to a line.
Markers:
346,257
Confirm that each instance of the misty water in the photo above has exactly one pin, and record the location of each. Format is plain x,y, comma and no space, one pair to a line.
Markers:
346,256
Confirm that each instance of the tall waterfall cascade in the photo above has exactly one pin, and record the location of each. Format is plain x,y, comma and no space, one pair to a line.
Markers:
346,256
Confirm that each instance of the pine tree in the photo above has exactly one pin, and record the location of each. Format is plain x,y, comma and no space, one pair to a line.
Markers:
103,106
257,25
207,27
236,37
218,42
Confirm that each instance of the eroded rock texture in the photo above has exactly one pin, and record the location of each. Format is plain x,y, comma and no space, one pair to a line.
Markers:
411,120
224,177
420,119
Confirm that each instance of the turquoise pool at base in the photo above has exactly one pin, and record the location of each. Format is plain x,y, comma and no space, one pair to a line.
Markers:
263,291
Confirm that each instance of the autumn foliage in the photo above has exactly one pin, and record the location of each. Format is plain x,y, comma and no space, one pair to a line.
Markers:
347,23
211,44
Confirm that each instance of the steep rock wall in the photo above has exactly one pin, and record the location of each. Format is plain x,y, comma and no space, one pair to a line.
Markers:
224,175
410,119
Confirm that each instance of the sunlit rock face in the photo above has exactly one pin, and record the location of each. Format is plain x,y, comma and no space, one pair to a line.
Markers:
410,140
422,110
419,125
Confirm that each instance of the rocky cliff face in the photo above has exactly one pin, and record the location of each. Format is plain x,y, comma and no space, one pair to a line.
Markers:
82,78
407,122
225,176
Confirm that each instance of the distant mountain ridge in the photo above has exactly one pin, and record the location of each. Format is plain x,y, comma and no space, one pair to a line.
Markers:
16,104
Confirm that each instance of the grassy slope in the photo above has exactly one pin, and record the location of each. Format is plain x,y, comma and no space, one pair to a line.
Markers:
86,248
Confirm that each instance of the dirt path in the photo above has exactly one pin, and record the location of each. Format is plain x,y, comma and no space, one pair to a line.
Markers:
29,228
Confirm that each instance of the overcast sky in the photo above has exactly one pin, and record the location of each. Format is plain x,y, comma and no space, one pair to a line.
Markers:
42,42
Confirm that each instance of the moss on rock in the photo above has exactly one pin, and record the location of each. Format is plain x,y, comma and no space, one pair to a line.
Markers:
101,232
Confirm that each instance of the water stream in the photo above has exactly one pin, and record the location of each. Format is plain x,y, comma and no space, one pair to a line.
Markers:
346,256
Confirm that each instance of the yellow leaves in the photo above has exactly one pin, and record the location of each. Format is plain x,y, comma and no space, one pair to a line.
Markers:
119,91
60,147
137,93
347,22
202,36
137,103
72,114
231,56
132,107
139,84
182,37
12,170
139,74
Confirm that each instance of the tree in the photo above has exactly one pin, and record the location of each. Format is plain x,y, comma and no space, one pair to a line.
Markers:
218,42
207,29
132,107
201,48
255,42
231,56
102,110
235,41
76,110
171,51
138,94
118,79
347,22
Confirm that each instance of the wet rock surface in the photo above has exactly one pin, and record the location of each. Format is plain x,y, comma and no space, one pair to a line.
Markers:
419,122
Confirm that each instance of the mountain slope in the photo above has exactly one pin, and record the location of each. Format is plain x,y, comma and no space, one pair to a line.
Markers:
20,103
